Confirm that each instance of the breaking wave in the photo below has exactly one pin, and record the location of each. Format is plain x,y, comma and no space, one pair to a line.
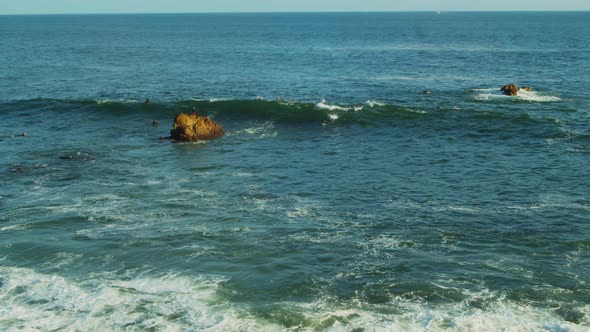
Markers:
31,300
250,109
260,110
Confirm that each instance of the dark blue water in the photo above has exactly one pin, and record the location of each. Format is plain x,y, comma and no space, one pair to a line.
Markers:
459,209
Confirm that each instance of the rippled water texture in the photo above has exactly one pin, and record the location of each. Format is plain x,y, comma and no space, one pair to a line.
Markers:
342,197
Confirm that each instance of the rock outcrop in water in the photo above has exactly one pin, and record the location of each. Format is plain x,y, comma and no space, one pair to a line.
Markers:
512,89
509,90
194,128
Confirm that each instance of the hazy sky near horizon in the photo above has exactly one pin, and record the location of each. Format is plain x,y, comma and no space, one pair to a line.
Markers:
193,6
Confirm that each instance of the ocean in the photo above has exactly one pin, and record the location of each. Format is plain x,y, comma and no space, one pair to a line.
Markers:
372,176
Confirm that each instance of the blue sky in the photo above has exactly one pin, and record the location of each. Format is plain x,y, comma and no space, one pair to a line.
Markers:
192,6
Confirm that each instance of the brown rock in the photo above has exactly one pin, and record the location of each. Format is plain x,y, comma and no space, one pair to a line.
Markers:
527,88
195,128
510,90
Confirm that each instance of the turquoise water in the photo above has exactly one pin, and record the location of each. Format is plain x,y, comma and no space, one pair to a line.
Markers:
459,209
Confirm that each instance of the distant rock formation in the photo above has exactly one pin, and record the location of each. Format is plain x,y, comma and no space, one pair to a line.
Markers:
194,128
512,89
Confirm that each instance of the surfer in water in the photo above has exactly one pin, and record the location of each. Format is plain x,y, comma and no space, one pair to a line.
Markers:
155,123
147,101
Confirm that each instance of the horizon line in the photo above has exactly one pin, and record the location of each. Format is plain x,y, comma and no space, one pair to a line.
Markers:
301,12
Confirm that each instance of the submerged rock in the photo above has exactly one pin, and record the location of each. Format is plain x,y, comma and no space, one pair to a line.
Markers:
509,90
527,88
17,168
194,128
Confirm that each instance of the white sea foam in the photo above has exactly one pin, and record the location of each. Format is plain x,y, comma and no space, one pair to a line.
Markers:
373,103
14,227
303,208
106,101
415,111
532,96
325,106
211,100
242,174
416,315
564,202
32,301
63,259
265,130
535,96
489,90
321,237
298,212
384,241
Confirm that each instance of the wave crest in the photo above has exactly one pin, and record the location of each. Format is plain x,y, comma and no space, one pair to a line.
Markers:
260,110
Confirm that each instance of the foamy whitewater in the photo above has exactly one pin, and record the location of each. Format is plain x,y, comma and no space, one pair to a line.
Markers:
372,176
143,303
523,95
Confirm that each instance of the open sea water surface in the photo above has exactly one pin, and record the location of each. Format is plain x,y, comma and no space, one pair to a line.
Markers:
460,209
